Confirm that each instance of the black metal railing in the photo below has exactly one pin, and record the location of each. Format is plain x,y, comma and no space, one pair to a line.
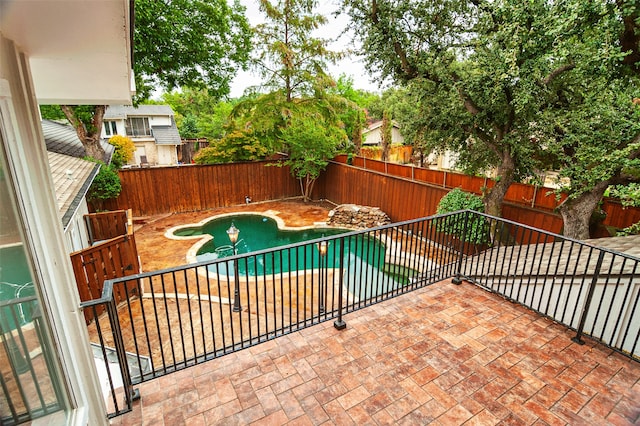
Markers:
190,314
30,387
592,290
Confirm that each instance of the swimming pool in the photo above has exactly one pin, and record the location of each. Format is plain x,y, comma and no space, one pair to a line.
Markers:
15,283
363,254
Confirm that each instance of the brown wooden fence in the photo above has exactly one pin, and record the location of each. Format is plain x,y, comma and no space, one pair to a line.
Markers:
404,192
403,199
199,187
534,205
107,225
114,258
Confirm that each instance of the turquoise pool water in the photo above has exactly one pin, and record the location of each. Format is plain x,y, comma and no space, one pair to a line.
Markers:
15,283
363,255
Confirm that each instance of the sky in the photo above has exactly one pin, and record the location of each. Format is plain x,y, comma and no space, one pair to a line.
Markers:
351,66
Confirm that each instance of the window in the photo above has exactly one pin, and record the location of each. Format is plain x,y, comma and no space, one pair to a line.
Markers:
138,126
31,385
110,128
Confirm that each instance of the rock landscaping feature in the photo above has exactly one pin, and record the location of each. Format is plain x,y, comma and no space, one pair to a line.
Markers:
357,217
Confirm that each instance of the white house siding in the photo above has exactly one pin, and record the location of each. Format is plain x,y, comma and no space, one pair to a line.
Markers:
76,234
167,155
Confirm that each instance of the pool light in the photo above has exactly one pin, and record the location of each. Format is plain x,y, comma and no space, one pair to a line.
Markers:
233,233
322,249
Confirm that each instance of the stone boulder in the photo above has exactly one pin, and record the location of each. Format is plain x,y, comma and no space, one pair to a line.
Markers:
357,217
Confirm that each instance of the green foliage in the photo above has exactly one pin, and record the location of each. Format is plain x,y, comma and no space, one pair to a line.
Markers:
312,143
52,112
629,195
492,81
124,149
354,118
188,127
630,230
106,184
193,43
235,146
209,113
289,57
476,226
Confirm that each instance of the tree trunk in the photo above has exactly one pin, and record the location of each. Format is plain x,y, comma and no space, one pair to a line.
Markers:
494,197
88,131
576,213
306,186
93,148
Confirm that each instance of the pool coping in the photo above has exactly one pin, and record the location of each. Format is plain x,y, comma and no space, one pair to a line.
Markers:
203,239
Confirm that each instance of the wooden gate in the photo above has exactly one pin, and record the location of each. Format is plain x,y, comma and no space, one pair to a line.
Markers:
114,258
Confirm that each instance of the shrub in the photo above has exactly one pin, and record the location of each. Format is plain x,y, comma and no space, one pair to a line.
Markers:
105,185
124,148
476,226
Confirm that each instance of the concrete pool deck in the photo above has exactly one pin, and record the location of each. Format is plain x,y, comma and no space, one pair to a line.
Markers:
156,251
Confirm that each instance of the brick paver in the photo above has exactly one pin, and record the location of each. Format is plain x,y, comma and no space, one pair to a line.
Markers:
445,354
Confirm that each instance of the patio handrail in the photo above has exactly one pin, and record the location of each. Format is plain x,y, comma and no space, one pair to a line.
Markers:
185,315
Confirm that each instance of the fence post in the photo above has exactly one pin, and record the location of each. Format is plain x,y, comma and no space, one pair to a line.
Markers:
339,324
457,280
587,302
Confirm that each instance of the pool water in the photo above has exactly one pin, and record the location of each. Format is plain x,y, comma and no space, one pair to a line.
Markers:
362,254
15,283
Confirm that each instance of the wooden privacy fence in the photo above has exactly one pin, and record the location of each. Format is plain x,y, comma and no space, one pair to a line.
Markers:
186,188
529,204
404,199
114,258
107,225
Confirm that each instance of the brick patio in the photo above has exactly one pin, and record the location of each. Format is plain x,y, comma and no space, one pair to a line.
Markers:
445,354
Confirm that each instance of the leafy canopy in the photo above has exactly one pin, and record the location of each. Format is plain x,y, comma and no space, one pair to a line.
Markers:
193,43
288,56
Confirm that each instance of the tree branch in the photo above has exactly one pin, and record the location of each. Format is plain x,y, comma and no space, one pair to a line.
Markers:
555,73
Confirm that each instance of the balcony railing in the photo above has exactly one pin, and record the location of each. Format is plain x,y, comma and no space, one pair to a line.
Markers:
187,315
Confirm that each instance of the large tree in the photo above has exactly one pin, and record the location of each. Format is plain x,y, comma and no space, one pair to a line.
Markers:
194,43
482,73
595,142
289,57
292,62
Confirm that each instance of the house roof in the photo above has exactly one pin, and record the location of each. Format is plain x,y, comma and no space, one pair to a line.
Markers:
63,139
377,124
123,111
72,178
166,135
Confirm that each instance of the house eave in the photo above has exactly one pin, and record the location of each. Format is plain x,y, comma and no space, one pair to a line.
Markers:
68,66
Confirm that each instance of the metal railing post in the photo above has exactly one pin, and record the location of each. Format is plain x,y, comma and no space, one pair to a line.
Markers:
339,324
587,302
457,280
130,394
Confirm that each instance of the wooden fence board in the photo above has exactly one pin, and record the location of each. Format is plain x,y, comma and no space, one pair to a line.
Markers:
542,199
115,258
157,190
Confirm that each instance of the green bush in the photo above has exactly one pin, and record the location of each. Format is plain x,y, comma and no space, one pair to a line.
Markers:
105,185
476,226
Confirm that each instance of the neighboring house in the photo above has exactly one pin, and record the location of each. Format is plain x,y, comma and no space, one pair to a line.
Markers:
57,53
152,129
372,135
72,177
